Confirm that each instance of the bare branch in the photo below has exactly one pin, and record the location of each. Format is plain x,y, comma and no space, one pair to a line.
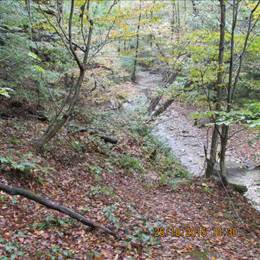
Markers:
52,205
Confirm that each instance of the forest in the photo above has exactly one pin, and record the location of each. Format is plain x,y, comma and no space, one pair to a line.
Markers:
129,129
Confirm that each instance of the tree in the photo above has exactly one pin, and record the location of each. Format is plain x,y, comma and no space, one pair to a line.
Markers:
233,80
226,99
82,62
133,77
214,140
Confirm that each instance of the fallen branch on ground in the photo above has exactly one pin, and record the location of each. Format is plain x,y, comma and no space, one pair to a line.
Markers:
52,205
164,107
106,138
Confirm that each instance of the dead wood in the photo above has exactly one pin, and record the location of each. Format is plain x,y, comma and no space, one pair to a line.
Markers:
52,205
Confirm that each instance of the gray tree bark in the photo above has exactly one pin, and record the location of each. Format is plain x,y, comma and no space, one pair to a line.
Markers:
215,135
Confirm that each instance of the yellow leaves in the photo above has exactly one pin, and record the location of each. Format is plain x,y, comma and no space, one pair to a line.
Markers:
165,59
43,26
122,25
114,34
82,2
105,19
251,6
254,46
79,2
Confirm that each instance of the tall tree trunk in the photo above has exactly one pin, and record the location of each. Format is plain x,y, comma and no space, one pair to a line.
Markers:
215,135
71,100
173,19
28,4
178,15
225,128
232,85
133,77
60,4
151,35
195,10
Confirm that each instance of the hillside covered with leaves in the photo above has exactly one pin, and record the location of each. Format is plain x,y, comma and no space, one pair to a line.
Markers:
129,129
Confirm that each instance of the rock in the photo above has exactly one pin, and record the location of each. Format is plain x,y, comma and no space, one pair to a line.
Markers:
250,165
235,176
240,178
236,183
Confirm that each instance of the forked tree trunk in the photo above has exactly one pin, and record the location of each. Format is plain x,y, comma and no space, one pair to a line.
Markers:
71,100
61,119
215,135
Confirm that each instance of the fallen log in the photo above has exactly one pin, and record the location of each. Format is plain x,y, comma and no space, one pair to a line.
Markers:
154,102
105,138
52,205
163,108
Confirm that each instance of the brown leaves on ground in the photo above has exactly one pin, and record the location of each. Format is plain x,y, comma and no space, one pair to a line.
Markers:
107,194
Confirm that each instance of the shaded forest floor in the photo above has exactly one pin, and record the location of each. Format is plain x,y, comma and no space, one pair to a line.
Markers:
133,187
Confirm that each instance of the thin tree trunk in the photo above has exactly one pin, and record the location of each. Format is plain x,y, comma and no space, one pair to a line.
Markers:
178,15
215,135
151,35
133,77
195,10
62,117
173,19
231,86
213,152
60,10
225,128
60,120
29,11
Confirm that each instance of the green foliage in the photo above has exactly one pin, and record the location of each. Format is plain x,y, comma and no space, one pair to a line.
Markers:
25,164
5,92
52,221
163,160
21,166
249,117
109,214
57,251
207,114
17,60
127,63
3,198
130,162
144,235
98,190
28,66
77,146
96,170
12,249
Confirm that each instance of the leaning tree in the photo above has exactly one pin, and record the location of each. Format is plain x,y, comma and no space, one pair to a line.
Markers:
81,16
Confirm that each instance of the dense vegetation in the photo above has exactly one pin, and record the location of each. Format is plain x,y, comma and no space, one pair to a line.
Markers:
77,126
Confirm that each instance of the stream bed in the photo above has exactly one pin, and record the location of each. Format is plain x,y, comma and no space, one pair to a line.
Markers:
187,141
